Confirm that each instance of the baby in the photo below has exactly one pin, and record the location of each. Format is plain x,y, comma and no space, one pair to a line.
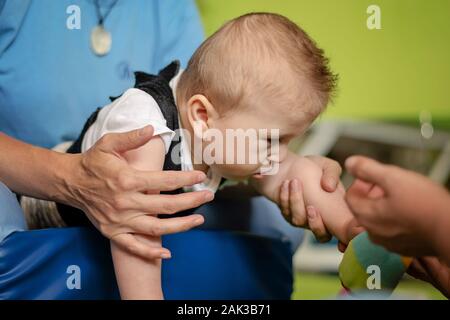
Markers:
257,72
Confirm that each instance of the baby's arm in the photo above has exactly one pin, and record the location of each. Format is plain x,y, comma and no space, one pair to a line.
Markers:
138,278
333,209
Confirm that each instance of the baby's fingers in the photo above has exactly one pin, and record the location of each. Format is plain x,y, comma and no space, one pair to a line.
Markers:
316,225
284,200
296,204
130,243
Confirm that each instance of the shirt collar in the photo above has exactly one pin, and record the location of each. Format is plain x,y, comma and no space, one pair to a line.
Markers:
174,84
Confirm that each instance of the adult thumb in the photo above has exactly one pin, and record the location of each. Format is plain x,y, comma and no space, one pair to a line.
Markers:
125,141
367,169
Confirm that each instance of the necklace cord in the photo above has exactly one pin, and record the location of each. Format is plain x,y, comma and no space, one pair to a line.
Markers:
101,19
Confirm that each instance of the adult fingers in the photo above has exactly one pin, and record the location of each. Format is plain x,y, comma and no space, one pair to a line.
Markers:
367,169
381,240
297,204
360,187
437,273
366,189
154,226
316,225
130,243
360,205
165,203
167,180
376,192
416,269
124,141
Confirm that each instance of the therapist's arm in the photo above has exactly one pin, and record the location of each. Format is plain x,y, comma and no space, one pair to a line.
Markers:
102,184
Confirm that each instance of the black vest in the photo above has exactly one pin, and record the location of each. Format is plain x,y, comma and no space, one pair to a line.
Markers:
158,87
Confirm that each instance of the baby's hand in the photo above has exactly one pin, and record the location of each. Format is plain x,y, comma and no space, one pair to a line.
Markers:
293,208
296,212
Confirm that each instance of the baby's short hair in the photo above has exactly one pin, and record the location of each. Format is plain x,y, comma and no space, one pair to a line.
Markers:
262,53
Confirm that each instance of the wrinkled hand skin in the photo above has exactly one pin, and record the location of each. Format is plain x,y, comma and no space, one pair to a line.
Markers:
114,196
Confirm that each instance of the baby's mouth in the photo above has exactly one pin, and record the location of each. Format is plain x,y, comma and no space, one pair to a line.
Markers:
257,176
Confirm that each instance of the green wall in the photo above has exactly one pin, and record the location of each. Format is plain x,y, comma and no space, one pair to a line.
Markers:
391,73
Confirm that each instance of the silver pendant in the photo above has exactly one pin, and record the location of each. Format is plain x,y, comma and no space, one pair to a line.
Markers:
100,40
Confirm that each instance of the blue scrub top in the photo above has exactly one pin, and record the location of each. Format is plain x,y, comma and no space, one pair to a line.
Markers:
51,81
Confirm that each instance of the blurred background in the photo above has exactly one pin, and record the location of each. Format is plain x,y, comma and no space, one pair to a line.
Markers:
393,99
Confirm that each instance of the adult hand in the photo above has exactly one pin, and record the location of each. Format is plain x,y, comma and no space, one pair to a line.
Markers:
113,194
401,210
293,206
433,271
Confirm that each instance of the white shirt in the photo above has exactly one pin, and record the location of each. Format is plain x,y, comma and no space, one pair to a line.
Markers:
136,109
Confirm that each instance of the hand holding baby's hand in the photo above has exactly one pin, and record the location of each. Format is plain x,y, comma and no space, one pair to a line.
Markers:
402,210
293,208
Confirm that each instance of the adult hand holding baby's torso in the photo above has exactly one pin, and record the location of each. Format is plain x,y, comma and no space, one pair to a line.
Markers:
112,193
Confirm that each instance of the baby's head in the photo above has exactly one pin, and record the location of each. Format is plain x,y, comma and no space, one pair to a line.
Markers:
259,71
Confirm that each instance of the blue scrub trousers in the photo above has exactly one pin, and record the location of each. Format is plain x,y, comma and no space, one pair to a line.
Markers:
11,215
244,252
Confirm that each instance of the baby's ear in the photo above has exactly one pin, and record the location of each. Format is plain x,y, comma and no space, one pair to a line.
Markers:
201,113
